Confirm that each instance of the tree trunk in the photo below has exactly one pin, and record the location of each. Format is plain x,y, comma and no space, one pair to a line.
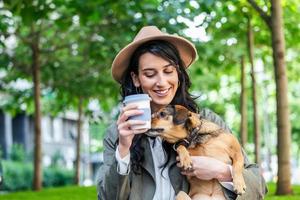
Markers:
37,178
254,101
283,123
78,142
243,108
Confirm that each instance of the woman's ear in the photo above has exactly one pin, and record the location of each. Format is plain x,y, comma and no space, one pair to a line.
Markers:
135,79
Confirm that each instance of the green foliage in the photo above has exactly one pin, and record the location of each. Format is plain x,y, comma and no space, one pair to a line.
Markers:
56,159
18,176
79,39
17,153
56,176
97,130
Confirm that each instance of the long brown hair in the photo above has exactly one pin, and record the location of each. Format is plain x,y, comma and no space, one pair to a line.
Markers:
168,52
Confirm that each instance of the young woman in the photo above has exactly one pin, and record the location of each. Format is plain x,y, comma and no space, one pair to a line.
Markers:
139,167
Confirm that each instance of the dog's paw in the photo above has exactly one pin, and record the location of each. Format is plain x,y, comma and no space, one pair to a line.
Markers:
239,186
186,162
185,159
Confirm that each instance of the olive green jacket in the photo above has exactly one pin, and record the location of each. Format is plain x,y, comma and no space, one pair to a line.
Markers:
112,185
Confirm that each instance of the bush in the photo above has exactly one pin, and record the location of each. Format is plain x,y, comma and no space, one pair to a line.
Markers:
19,176
17,152
55,176
16,176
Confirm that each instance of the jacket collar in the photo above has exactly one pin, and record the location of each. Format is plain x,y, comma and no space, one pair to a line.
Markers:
148,164
178,181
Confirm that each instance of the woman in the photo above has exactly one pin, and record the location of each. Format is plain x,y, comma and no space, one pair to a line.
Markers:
139,167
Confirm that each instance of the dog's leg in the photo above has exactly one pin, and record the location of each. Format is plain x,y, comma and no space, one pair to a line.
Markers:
184,157
182,196
239,185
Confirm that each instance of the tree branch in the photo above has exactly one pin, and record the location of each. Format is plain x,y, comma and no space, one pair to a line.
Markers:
263,14
51,50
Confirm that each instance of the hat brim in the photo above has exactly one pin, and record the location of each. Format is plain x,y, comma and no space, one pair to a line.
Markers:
186,49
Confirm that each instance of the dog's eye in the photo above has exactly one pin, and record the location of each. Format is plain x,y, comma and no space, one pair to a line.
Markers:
162,114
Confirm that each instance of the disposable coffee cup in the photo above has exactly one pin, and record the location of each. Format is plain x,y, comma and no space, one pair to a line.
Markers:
142,101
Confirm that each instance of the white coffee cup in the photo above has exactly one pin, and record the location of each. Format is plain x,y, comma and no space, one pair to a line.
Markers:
143,102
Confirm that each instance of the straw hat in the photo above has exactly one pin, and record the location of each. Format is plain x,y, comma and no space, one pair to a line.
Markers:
186,49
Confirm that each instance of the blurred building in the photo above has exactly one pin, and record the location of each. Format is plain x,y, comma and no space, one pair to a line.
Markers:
58,139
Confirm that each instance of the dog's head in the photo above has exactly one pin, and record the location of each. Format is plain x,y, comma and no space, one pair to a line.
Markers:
172,123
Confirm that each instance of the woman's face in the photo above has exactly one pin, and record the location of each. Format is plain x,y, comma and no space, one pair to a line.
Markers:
158,78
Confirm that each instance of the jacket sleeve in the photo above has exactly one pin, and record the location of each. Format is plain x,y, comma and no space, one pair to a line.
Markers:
110,184
255,183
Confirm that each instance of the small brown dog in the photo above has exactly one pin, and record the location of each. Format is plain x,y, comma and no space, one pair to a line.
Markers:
195,136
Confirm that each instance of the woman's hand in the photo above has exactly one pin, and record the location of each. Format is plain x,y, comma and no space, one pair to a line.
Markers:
126,133
207,168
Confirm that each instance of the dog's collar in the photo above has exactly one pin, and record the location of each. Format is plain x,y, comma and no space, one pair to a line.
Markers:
187,142
194,138
183,142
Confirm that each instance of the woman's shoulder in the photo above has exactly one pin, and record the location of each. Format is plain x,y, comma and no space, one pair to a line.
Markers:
210,115
111,132
112,126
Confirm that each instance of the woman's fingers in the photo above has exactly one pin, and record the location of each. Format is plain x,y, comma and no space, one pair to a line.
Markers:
128,124
128,107
126,129
132,132
188,172
139,131
128,113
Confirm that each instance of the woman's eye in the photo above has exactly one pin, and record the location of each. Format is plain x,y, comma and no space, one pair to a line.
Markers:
169,72
149,75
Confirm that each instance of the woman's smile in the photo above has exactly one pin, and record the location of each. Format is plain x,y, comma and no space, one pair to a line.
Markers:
162,92
158,78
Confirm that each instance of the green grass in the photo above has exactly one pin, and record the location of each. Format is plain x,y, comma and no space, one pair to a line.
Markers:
89,193
272,189
60,193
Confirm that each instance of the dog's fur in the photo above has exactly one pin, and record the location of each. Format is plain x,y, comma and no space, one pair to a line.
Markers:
176,124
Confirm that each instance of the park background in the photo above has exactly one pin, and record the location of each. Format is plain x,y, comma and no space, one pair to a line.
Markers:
57,96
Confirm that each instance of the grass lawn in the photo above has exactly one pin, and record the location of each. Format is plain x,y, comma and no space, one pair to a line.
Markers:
89,193
62,193
272,188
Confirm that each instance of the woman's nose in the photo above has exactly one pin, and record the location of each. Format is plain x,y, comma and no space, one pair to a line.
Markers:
161,80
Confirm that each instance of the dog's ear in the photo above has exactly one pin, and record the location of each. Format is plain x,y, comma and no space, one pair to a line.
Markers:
181,115
191,122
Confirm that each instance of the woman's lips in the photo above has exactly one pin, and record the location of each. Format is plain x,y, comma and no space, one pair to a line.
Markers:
162,93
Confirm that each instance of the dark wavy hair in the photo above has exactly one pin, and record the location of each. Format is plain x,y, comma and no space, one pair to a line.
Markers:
168,52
